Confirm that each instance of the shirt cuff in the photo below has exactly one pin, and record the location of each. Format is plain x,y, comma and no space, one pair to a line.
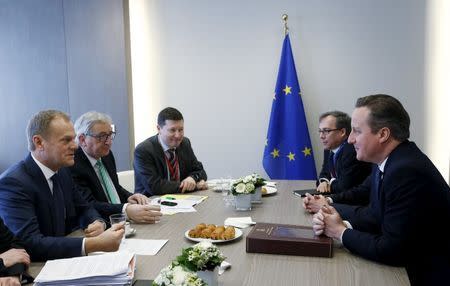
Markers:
83,250
124,210
332,180
329,200
348,226
321,180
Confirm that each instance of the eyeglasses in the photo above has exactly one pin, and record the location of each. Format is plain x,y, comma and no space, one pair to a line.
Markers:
327,131
103,137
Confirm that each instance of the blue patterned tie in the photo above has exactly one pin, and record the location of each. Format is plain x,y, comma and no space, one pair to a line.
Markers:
59,207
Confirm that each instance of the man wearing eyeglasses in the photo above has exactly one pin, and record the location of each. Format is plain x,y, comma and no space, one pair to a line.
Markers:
340,169
95,172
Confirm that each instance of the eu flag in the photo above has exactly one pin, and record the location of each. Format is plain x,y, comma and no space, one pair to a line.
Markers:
288,153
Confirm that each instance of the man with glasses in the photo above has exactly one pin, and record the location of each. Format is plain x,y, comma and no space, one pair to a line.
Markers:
95,172
340,169
165,163
40,203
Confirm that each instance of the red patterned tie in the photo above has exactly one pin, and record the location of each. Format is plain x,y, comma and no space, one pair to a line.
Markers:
173,165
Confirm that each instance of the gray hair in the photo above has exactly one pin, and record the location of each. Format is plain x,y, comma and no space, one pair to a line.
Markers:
85,122
39,124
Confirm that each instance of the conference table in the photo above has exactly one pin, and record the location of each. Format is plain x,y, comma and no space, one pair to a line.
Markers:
343,268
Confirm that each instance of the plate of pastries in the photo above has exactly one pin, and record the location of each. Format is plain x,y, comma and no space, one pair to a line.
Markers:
213,233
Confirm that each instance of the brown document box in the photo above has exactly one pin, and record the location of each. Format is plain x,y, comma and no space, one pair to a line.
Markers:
288,239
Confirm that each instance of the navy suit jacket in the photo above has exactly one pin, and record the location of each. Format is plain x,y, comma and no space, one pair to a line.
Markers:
150,168
7,242
27,208
349,171
404,223
90,186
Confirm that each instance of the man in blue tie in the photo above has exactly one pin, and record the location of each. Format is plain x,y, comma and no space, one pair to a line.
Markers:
165,163
340,169
95,172
39,201
409,199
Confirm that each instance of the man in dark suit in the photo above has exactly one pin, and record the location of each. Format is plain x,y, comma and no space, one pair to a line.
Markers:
14,260
409,199
95,172
340,169
165,163
39,201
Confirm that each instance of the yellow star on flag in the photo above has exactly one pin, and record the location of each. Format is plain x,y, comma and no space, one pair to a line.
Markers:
275,153
291,156
307,151
287,90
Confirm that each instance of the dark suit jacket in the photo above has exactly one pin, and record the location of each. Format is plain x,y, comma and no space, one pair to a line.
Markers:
90,186
150,169
27,208
7,242
349,171
404,223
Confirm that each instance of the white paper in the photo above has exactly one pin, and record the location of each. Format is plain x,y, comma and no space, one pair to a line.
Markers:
143,246
240,222
108,269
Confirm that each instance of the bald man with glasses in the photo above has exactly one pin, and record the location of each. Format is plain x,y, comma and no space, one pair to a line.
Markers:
340,169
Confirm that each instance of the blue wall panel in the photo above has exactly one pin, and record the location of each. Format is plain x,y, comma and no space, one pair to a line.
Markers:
33,74
66,55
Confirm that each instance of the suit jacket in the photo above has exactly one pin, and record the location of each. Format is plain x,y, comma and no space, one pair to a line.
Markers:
349,171
7,242
404,221
150,168
28,209
84,175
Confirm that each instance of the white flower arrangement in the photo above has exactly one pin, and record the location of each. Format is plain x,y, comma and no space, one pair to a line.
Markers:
182,272
247,184
176,275
202,256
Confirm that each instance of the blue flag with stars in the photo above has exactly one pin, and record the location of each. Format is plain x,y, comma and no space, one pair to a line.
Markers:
288,153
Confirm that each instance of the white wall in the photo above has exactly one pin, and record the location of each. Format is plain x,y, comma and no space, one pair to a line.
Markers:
217,62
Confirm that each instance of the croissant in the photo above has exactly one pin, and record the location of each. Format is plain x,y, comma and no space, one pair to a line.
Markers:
206,233
229,233
217,233
195,233
200,226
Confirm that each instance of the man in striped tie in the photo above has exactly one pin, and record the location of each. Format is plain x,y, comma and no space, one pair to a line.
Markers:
165,163
95,172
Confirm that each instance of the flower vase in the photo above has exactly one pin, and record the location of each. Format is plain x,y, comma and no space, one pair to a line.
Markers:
209,277
256,196
243,202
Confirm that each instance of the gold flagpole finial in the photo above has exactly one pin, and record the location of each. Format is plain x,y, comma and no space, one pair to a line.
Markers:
284,17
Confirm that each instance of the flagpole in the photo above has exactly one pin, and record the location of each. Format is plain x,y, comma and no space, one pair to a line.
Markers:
284,17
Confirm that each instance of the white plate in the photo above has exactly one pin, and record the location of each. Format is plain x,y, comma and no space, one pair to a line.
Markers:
270,190
238,233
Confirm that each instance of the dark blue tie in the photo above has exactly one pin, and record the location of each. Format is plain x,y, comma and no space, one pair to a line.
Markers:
331,165
378,181
59,207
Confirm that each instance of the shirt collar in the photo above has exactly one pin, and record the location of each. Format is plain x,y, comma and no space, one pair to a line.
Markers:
382,165
164,146
91,159
335,150
48,173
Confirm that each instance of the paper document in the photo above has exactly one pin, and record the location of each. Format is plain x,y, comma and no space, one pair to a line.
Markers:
143,246
115,268
172,204
240,222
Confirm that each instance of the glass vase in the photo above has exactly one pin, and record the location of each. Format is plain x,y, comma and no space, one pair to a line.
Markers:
243,202
209,277
256,196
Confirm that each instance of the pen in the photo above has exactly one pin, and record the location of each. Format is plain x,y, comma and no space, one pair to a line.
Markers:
170,198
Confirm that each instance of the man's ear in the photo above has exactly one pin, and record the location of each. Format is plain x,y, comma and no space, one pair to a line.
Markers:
158,127
38,142
82,140
384,134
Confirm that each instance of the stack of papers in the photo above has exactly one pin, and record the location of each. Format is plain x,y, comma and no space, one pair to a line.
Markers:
142,246
240,222
178,203
116,268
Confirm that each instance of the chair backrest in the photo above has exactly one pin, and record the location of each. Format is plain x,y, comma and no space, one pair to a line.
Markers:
126,180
